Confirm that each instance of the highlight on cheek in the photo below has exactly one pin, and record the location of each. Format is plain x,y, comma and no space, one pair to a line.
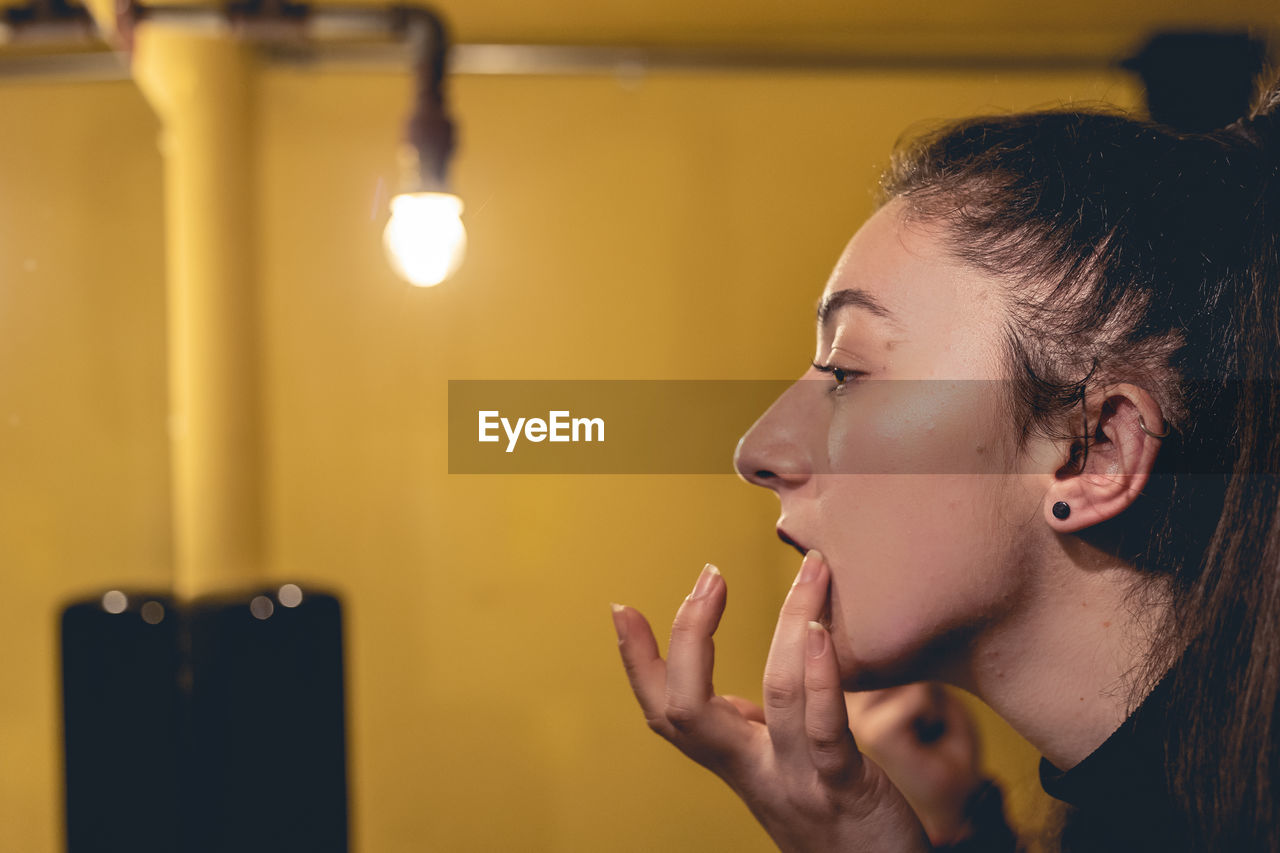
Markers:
916,426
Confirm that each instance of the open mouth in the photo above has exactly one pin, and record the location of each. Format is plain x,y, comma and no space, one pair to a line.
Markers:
824,619
782,534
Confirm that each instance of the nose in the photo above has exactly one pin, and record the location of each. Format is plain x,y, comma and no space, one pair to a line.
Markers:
774,453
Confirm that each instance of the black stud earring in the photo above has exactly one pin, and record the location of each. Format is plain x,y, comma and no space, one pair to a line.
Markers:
1061,510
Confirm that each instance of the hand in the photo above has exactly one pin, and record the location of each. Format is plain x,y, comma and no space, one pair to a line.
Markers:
794,762
925,740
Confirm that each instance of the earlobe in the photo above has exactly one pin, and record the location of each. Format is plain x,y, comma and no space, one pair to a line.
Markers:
1066,510
1117,462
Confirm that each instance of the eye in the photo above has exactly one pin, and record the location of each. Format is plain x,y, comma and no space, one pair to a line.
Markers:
843,376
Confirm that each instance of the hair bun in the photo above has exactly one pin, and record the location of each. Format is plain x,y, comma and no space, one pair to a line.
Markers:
1262,125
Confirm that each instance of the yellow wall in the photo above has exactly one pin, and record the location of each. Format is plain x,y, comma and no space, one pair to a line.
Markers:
671,226
83,470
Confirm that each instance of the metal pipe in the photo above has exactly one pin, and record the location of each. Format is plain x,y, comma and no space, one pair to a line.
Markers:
523,60
201,88
377,40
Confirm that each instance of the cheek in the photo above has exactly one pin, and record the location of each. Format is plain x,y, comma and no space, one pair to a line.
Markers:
917,427
915,559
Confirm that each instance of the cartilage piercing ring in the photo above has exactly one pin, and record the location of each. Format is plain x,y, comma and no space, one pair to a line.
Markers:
1142,426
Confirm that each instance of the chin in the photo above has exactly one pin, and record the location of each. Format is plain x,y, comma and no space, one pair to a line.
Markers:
896,646
885,663
860,675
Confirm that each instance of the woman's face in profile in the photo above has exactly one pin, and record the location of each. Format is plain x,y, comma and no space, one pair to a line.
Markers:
897,459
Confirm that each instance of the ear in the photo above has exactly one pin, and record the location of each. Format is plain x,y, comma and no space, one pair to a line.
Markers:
1116,463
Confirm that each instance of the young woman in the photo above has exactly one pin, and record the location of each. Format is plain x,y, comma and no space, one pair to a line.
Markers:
1035,457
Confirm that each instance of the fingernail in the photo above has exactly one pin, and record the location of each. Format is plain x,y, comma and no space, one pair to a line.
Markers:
816,639
705,581
619,621
809,568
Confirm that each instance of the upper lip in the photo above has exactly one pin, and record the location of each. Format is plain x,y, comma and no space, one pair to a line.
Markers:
790,540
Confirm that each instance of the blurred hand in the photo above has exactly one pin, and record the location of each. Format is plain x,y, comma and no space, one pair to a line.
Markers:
926,742
794,762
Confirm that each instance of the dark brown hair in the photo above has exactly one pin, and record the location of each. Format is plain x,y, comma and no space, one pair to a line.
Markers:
1136,253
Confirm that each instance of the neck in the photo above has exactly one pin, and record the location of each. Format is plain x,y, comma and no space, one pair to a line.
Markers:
1061,667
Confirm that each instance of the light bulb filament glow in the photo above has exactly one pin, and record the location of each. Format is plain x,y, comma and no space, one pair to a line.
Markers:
425,241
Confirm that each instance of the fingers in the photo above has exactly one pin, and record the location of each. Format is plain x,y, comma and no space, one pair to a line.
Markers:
691,652
919,721
831,746
963,741
957,717
646,670
804,712
748,709
676,695
784,674
864,700
930,723
898,716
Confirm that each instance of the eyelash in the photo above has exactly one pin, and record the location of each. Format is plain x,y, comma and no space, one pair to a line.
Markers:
843,376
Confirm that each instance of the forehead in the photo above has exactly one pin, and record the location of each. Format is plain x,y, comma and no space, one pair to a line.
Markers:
939,306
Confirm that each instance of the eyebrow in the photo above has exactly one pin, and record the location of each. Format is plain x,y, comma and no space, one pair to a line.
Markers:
855,297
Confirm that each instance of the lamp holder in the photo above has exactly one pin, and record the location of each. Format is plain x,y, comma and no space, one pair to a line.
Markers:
429,134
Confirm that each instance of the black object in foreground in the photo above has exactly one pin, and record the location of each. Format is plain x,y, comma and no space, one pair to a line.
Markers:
208,728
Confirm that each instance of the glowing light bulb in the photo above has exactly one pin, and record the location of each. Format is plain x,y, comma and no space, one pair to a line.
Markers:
425,241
